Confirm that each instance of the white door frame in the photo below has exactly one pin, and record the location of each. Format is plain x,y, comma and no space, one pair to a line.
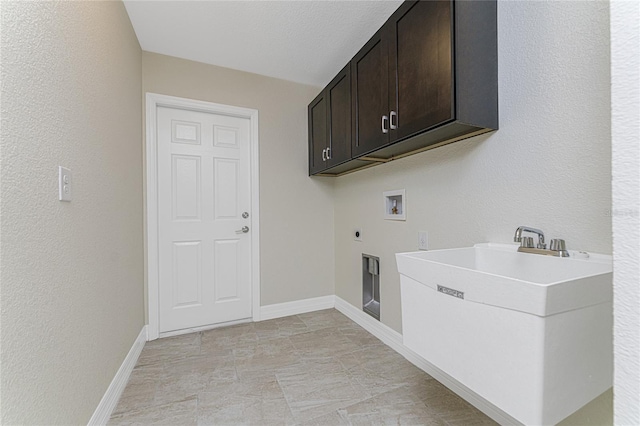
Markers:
153,101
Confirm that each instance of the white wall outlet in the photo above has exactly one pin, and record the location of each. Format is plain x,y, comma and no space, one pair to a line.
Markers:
423,240
64,184
357,234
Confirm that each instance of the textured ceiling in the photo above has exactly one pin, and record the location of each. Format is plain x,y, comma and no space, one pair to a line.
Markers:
302,41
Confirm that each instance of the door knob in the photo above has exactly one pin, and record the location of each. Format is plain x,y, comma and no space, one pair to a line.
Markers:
244,230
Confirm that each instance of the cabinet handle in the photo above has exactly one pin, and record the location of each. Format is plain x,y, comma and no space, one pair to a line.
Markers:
384,129
329,153
391,125
324,154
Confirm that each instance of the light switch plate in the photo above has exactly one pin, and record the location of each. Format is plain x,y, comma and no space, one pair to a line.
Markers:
423,240
64,184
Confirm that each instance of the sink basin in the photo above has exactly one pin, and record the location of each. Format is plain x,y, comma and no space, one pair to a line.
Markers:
531,334
497,274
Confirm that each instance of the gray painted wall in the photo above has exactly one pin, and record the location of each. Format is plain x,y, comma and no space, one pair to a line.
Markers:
72,273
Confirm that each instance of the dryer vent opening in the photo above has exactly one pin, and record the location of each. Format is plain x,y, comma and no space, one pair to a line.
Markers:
371,285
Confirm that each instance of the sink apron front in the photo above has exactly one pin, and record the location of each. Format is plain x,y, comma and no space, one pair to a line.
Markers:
539,366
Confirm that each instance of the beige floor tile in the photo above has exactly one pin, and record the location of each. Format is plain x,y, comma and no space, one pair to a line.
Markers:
180,387
231,331
194,364
319,387
334,419
466,417
229,337
176,413
281,327
324,319
221,343
324,342
158,352
146,374
360,337
223,374
396,407
265,348
446,402
318,369
265,358
259,402
136,396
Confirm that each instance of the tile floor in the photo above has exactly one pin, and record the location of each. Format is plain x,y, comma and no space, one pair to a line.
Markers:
318,368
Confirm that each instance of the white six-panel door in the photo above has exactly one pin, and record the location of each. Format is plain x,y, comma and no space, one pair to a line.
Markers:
204,187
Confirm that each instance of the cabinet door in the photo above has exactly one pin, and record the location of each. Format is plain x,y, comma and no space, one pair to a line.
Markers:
421,66
370,97
318,136
339,103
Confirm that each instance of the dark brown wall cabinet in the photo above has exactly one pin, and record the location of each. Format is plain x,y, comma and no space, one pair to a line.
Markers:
330,124
428,77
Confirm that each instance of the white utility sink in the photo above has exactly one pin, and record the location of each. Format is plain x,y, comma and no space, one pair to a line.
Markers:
531,334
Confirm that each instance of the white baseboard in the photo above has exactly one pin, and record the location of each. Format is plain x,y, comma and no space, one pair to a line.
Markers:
393,339
279,310
112,395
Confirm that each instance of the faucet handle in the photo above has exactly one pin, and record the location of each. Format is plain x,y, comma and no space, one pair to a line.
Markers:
526,242
558,245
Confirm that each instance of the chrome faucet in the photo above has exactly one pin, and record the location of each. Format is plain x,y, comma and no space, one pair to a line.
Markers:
558,247
518,236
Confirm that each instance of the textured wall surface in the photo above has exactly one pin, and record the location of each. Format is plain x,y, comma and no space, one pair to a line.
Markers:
72,273
549,165
625,116
296,213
